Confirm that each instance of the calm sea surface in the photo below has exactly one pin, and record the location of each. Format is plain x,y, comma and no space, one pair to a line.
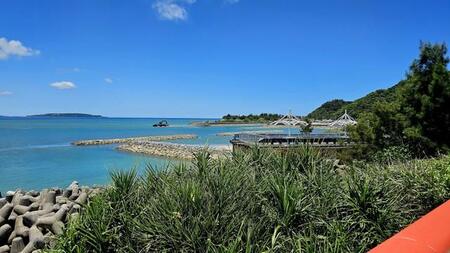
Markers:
36,153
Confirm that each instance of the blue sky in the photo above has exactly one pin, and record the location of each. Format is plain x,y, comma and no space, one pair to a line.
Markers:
205,58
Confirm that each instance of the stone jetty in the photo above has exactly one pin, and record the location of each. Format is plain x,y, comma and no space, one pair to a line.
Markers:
173,150
155,146
30,220
134,139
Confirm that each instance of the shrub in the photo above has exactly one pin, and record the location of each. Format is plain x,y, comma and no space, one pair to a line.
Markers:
258,201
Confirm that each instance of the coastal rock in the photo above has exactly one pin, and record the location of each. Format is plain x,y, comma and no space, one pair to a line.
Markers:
28,220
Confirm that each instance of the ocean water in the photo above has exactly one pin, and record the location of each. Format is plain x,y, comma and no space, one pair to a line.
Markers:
36,153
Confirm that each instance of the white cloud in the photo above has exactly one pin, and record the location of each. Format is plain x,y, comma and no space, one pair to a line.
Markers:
63,85
108,80
14,48
5,93
172,9
175,10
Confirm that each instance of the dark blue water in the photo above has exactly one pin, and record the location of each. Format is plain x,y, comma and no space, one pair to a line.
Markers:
36,153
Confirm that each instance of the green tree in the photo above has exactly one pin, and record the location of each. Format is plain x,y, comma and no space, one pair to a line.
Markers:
425,100
380,128
419,115
308,128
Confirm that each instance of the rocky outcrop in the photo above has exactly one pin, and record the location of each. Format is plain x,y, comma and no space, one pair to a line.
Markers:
29,220
134,139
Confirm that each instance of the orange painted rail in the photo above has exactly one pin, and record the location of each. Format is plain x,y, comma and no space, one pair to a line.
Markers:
429,234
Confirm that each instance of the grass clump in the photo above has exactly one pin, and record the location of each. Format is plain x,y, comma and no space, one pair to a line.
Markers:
258,201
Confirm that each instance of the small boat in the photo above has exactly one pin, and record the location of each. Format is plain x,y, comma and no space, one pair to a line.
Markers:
162,123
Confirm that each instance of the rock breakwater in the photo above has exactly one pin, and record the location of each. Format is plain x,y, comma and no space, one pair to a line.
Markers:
173,150
155,146
30,220
134,139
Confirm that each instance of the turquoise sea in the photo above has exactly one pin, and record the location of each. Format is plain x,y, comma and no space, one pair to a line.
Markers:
36,153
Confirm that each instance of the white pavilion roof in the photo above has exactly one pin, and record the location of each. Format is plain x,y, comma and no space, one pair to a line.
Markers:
343,121
289,120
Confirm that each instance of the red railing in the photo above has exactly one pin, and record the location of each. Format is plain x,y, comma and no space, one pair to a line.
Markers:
429,234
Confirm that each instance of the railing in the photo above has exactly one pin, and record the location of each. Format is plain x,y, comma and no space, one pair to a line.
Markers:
429,234
256,138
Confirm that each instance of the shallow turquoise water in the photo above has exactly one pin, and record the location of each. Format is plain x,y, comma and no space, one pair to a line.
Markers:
36,152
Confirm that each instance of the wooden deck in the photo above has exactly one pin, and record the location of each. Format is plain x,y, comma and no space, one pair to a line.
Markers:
329,140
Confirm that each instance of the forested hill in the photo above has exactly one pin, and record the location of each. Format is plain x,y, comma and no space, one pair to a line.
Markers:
335,108
328,109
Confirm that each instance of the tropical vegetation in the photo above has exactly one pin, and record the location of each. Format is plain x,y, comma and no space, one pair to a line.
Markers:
258,201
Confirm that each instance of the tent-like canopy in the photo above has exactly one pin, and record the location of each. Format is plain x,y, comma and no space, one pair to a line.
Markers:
343,121
289,120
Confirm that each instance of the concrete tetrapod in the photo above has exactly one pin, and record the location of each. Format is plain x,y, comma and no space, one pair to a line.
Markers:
36,240
19,229
4,249
29,220
3,202
5,230
17,245
54,222
5,211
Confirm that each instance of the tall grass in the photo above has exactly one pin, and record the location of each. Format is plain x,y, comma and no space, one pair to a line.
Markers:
258,201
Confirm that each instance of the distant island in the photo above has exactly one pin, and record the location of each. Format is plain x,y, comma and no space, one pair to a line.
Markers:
65,115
